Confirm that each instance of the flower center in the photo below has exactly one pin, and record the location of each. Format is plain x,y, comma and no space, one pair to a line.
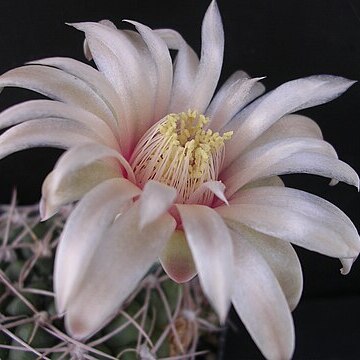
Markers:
179,152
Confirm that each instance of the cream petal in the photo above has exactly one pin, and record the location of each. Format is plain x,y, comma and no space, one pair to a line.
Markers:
155,200
268,181
84,155
84,232
46,132
185,67
260,302
40,109
164,69
96,81
77,171
121,260
211,247
58,85
176,258
289,97
234,95
281,258
300,155
296,216
212,49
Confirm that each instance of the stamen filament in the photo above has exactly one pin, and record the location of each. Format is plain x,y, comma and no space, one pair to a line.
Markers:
180,153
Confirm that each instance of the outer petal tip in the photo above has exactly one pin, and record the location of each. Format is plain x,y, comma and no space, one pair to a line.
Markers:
77,327
347,264
46,210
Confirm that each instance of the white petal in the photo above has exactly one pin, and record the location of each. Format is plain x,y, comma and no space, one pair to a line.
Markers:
289,126
260,302
77,171
296,216
185,66
216,187
122,258
40,109
155,200
164,69
281,258
235,94
301,155
57,85
120,61
86,48
289,97
84,232
46,132
96,81
211,246
212,49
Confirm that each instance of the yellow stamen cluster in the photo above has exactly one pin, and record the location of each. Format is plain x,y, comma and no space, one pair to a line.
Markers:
180,153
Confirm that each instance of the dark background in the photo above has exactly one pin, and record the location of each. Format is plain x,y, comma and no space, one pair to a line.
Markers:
282,39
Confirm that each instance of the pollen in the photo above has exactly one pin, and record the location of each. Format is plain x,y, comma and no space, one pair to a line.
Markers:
179,151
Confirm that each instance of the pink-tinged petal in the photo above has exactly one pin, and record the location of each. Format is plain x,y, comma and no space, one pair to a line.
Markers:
211,247
121,260
77,171
84,232
281,258
212,49
301,155
296,216
46,132
185,66
289,97
216,187
164,69
289,126
260,302
41,109
234,95
155,200
57,85
96,82
176,258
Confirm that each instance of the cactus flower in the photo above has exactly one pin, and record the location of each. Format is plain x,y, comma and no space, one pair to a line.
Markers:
165,169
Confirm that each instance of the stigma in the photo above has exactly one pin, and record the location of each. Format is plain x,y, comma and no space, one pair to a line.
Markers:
178,151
